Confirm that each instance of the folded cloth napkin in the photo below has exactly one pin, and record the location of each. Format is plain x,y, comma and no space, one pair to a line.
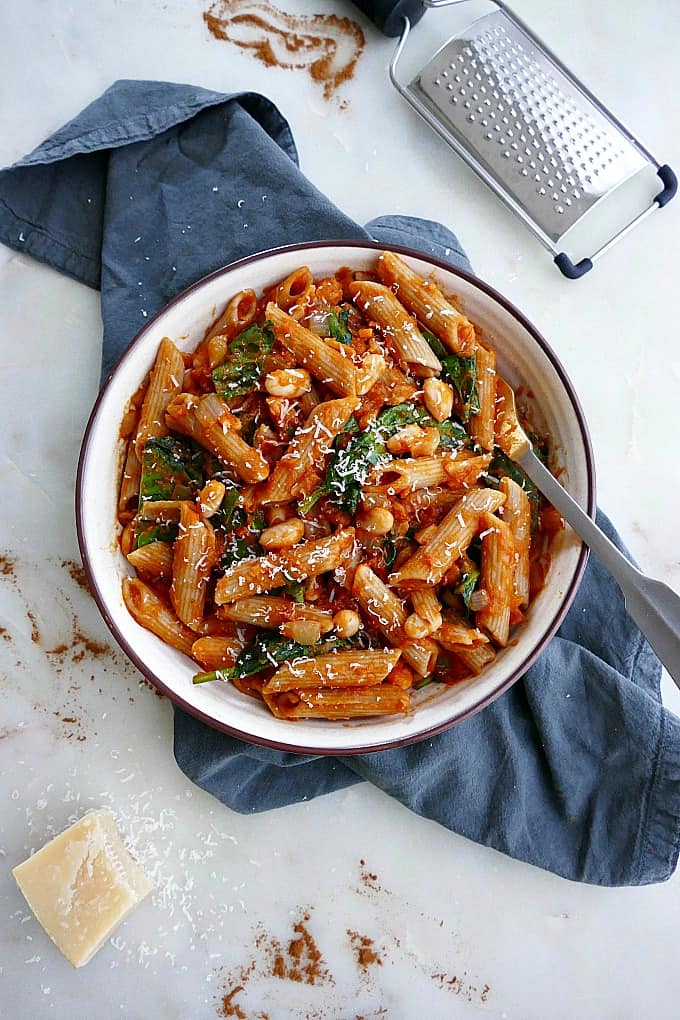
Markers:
576,768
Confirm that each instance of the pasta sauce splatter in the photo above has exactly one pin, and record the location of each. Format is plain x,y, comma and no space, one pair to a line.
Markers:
325,45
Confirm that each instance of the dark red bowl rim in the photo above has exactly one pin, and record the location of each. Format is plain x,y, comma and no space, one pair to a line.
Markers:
487,699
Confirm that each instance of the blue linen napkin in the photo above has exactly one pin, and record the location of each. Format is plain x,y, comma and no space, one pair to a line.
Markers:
575,769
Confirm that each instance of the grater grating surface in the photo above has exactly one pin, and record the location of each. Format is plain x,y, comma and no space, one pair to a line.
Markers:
544,143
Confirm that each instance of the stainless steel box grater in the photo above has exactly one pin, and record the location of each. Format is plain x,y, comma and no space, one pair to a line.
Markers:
535,134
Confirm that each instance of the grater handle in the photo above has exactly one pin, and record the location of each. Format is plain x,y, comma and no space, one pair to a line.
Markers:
575,270
388,15
572,270
670,186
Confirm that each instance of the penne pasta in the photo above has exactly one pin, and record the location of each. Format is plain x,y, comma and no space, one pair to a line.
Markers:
463,472
252,577
383,607
517,515
152,613
272,611
218,429
210,498
421,655
239,313
209,421
430,563
162,511
415,473
129,487
427,303
419,501
455,632
165,382
401,676
153,561
476,658
128,538
180,415
326,364
458,472
296,290
216,652
309,400
386,612
428,607
347,703
339,669
192,561
128,426
498,562
308,449
400,328
372,368
482,424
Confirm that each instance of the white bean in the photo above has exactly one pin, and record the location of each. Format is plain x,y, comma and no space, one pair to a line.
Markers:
283,535
376,521
438,398
372,367
288,382
346,623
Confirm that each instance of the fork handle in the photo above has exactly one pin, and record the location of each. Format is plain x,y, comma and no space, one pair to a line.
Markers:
653,606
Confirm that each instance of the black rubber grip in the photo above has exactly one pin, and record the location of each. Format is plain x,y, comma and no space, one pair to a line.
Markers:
572,270
670,186
388,15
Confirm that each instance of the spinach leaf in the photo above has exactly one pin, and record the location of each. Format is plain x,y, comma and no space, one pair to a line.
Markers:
390,549
540,445
242,542
394,418
306,504
242,367
237,548
502,465
435,343
351,465
239,518
466,586
229,504
462,372
339,326
171,469
214,674
146,533
423,682
269,650
257,522
295,590
452,435
353,459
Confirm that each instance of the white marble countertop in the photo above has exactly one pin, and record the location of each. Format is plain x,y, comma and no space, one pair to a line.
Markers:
461,930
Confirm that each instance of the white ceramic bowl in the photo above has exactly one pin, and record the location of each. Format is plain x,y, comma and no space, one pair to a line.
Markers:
524,358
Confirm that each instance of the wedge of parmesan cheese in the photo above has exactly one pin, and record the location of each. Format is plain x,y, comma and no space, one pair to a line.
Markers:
81,885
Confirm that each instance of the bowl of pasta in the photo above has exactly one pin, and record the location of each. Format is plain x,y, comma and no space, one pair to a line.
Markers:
293,510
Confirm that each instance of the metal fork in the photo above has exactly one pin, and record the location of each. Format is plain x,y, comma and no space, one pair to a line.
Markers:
653,606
